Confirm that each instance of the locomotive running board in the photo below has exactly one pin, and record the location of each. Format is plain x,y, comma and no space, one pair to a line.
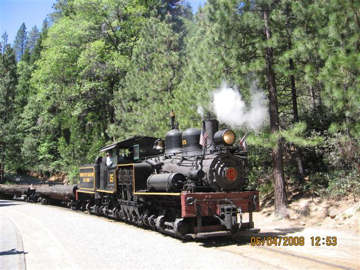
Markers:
157,193
247,232
204,235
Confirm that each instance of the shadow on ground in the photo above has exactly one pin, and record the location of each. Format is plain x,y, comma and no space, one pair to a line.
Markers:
245,238
12,252
6,203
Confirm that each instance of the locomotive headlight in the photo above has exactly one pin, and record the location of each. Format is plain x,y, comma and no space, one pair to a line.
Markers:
225,136
229,137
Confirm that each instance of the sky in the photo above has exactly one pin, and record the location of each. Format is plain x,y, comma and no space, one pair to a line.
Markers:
33,12
14,12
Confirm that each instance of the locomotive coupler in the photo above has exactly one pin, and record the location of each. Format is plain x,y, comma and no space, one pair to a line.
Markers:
229,216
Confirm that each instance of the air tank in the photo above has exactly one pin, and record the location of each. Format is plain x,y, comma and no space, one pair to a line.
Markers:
165,182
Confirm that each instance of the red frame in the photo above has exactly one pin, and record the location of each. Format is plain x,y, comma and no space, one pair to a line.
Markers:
209,202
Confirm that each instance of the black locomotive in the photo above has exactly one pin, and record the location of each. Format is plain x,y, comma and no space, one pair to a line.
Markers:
194,184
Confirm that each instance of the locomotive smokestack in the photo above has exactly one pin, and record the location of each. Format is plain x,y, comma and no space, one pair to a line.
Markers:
210,126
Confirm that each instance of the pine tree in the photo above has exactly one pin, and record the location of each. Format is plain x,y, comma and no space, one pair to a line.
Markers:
8,117
32,38
20,42
154,74
35,54
4,42
277,151
340,74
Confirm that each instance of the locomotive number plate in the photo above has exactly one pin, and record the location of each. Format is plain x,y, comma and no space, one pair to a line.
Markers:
111,178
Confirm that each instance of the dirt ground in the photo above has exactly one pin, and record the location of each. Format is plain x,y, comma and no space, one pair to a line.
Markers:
322,213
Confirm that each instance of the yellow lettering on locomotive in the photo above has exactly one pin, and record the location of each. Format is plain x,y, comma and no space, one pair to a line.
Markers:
86,180
90,174
111,178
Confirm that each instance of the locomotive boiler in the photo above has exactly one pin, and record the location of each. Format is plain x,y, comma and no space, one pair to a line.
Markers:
206,159
192,183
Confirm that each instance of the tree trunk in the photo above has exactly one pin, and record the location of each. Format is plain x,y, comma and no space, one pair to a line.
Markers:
313,97
278,172
298,153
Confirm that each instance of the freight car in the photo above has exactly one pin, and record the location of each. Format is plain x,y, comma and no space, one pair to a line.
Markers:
191,184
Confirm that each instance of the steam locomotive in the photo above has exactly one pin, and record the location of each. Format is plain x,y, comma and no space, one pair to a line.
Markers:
191,184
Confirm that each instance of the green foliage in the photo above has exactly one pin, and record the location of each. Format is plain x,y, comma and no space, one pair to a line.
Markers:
295,134
341,183
20,42
32,38
154,73
8,107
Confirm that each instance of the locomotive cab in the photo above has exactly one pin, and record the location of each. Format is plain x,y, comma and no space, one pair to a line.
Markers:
102,175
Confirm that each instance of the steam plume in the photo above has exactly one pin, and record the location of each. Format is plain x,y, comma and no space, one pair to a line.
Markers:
230,108
200,111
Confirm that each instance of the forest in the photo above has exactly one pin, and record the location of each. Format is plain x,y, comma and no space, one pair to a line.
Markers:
103,70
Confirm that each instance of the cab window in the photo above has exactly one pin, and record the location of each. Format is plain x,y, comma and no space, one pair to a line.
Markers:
136,152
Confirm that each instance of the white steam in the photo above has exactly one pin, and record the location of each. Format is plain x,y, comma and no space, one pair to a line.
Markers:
200,111
230,108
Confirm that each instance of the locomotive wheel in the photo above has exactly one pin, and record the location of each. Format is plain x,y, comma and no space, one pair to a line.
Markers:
145,220
104,211
74,205
151,221
180,227
98,210
132,217
140,221
87,207
159,223
122,215
125,216
83,206
44,201
116,213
